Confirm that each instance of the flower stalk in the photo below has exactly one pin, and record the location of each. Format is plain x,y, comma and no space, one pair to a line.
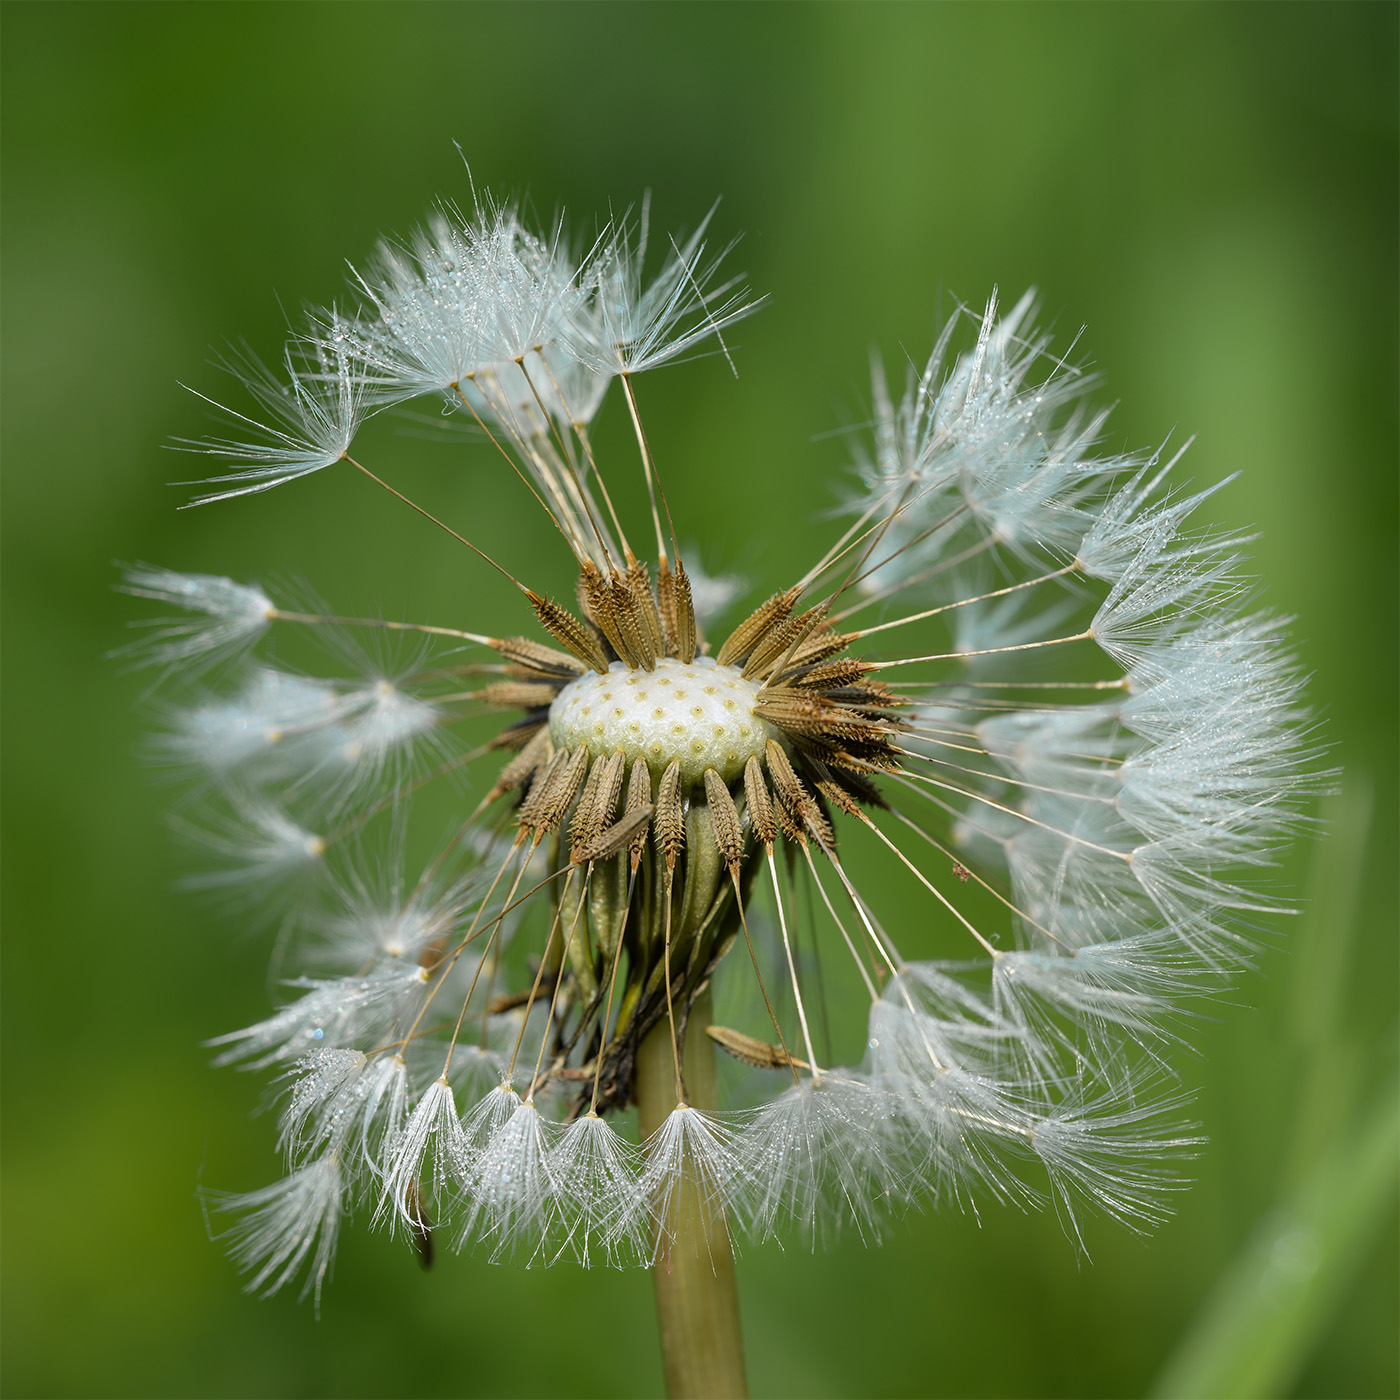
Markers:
697,1302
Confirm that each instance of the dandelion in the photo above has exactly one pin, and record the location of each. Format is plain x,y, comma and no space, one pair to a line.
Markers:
1020,672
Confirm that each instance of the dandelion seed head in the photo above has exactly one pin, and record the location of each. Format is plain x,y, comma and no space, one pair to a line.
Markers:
1025,673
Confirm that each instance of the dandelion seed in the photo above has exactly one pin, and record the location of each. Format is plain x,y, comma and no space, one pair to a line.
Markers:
628,325
309,419
235,616
333,1013
263,726
263,851
602,1213
691,1166
293,1222
323,1081
428,1153
511,1187
815,1160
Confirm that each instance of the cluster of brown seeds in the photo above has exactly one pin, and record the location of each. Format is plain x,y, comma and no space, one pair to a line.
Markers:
837,724
666,901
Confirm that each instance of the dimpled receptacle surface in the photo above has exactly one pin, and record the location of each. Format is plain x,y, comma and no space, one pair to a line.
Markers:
701,713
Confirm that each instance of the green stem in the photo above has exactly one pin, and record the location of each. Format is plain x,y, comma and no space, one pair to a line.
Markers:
697,1305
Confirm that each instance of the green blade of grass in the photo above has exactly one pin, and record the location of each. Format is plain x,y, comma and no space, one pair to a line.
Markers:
1259,1323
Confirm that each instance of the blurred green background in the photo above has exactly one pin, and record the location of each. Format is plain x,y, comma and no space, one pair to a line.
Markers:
1212,190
